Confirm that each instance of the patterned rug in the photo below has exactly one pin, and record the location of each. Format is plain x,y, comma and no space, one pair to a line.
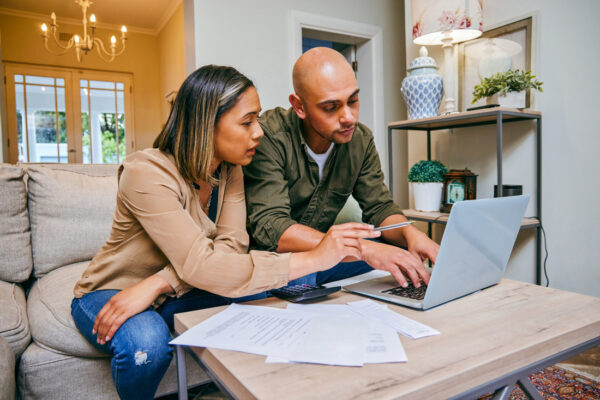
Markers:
555,383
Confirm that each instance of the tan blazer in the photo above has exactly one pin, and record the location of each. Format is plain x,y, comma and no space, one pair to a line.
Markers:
159,228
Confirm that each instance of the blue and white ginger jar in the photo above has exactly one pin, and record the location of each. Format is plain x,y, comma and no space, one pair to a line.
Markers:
422,88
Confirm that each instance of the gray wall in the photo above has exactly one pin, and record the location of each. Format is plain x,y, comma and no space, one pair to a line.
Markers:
566,59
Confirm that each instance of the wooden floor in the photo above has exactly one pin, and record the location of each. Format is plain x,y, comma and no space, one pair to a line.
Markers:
586,364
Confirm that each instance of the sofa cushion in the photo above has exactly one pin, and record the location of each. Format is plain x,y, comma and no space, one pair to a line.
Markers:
14,326
7,371
70,211
49,309
15,239
44,374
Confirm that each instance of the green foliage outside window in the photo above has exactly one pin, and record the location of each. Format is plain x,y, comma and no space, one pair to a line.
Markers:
45,127
108,136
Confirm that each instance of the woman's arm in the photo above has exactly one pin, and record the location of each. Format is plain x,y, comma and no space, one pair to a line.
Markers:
126,304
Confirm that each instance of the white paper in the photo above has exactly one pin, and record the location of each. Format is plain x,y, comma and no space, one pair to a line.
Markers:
289,334
332,340
402,324
251,329
382,344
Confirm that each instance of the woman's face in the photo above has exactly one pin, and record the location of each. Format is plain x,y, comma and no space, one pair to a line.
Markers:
237,133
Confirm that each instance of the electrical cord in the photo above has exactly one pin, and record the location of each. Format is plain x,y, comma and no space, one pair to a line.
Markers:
546,256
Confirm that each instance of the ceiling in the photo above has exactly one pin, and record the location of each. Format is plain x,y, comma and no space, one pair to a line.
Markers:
146,15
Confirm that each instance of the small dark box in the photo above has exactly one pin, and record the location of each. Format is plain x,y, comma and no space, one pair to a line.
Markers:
509,190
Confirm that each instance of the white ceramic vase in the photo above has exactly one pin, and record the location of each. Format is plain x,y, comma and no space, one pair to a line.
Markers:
427,195
510,99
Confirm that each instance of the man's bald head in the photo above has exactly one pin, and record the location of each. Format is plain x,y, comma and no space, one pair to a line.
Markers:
320,66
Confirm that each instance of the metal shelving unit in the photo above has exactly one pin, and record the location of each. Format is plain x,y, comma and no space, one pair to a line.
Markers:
490,116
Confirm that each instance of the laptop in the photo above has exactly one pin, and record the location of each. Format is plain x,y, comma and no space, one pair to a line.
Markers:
473,255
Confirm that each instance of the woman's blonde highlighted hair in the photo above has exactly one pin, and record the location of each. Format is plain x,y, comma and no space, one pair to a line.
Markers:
207,94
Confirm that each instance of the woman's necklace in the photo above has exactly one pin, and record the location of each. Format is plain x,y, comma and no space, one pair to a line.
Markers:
207,207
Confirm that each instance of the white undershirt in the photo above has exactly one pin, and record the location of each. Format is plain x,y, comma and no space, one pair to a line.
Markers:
320,159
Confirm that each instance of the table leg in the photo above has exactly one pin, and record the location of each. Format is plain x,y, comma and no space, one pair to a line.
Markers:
181,373
529,389
503,393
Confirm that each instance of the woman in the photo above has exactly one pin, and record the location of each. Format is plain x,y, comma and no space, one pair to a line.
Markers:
178,240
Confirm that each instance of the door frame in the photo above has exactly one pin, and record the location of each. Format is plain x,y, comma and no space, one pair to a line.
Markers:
10,69
127,99
369,40
72,104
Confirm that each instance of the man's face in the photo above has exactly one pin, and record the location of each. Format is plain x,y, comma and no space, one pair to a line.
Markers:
331,107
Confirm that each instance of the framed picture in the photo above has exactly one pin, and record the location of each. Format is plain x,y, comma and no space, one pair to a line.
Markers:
498,49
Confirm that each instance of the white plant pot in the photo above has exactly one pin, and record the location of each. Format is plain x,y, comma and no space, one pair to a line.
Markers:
427,196
510,99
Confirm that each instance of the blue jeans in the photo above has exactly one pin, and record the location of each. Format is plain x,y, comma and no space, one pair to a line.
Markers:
139,349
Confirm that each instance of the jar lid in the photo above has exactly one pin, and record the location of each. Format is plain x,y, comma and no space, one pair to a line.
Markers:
424,61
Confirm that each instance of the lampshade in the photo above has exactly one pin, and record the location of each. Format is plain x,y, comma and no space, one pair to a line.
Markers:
432,19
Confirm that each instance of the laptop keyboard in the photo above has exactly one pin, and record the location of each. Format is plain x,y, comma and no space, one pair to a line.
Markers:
410,291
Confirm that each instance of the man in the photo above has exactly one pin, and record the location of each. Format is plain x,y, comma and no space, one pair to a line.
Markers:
312,157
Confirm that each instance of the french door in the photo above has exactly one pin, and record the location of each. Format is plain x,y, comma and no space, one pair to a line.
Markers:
68,115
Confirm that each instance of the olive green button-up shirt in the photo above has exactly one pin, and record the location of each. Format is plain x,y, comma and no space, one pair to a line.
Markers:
283,187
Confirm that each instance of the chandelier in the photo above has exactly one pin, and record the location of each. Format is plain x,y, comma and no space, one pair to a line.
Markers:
86,42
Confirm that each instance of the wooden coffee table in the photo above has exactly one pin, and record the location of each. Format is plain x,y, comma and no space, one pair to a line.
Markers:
489,341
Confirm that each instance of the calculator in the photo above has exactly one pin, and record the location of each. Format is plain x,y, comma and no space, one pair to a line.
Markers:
299,293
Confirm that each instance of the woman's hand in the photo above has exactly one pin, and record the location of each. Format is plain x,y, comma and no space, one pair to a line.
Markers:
341,241
126,304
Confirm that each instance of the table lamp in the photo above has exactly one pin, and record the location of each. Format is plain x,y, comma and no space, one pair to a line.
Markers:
446,22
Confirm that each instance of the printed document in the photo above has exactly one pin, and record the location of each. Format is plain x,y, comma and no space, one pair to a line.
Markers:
293,335
406,326
382,344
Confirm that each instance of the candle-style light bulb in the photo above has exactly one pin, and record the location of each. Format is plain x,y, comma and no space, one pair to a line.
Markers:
113,40
76,38
124,29
44,28
93,19
53,16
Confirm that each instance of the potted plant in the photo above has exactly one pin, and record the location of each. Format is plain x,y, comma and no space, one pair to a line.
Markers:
426,178
506,88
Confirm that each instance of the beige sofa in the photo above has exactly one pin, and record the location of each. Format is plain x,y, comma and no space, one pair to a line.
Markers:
53,219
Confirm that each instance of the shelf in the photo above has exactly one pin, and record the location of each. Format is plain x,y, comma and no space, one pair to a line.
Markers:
442,218
487,116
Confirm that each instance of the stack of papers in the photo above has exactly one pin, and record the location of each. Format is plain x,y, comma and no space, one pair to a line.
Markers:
334,334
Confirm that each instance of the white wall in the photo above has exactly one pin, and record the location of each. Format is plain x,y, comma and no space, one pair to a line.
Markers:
255,38
566,59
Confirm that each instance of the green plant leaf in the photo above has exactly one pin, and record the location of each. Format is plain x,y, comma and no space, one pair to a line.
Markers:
427,171
513,80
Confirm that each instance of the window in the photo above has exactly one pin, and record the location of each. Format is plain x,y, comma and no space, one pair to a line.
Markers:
68,115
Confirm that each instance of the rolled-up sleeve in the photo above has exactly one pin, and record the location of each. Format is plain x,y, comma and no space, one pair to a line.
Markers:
370,190
196,259
267,196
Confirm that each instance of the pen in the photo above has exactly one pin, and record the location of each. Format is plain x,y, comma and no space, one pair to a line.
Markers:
394,226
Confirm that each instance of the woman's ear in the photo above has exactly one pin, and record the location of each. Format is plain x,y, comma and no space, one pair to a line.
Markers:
297,105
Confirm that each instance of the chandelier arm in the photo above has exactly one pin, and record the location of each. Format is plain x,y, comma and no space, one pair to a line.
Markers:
57,42
102,51
66,48
122,48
